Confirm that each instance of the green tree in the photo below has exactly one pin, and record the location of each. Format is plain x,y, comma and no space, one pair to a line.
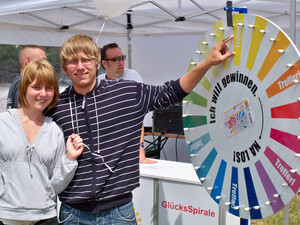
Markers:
9,65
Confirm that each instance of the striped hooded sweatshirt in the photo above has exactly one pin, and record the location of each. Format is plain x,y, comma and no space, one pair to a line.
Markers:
109,120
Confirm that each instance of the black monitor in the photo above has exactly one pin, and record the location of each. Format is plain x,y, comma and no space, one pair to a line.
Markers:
168,120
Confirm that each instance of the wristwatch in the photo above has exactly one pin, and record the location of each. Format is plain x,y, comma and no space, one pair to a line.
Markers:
142,144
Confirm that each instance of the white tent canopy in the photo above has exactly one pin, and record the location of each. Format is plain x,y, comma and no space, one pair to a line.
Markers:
160,28
50,22
164,33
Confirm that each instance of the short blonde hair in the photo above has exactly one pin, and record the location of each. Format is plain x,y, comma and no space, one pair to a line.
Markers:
30,51
76,44
42,72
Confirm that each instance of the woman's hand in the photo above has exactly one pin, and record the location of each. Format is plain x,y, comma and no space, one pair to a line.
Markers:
74,147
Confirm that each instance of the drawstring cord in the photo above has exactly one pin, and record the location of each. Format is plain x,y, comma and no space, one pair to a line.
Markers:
77,127
97,122
70,105
29,156
97,156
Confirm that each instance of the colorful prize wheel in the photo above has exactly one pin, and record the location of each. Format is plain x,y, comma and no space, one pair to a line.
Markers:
241,121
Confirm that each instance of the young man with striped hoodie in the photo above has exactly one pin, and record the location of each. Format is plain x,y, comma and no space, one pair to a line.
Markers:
108,115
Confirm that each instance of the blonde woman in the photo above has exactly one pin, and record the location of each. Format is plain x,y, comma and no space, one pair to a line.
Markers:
36,163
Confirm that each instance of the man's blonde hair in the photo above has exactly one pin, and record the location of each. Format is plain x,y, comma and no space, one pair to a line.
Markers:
75,45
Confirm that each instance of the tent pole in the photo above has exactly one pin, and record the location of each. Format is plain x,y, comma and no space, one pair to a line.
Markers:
129,49
286,214
293,20
129,28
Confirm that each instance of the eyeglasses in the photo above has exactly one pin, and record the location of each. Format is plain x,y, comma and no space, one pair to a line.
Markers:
84,61
117,59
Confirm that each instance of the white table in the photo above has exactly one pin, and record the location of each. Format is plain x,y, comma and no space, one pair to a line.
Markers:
166,189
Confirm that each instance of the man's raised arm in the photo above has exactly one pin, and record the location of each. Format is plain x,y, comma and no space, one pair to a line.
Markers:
218,54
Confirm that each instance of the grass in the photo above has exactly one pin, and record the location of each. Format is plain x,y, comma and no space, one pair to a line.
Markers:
277,219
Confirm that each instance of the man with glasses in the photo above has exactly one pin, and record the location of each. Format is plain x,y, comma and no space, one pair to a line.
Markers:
108,115
113,61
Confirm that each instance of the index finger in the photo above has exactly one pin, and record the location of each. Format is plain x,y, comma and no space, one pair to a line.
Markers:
224,41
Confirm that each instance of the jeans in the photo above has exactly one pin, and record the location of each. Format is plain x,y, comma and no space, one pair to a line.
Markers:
117,216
